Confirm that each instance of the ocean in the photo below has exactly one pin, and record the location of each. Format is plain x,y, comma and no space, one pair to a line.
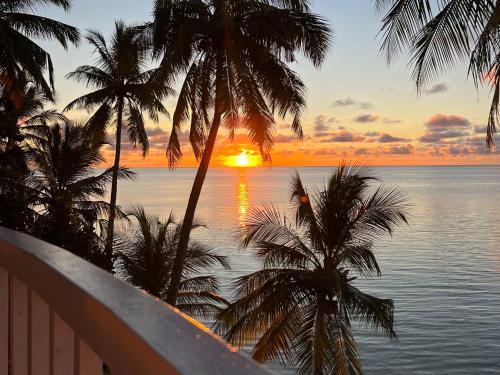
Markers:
443,270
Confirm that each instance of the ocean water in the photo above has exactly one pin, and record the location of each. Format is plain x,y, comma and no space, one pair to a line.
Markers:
443,270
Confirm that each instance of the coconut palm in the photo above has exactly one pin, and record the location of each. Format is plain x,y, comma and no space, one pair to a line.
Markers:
234,56
441,33
121,95
23,120
69,191
300,305
22,117
18,52
146,254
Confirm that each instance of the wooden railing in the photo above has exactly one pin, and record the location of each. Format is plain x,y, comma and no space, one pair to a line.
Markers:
60,315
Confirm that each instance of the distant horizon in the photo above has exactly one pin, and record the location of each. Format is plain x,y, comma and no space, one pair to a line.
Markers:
316,166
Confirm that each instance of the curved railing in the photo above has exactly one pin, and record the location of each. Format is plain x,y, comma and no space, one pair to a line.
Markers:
61,315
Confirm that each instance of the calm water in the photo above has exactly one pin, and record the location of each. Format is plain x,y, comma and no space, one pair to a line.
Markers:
443,271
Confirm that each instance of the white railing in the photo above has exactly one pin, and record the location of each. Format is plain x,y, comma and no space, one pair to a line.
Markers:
60,315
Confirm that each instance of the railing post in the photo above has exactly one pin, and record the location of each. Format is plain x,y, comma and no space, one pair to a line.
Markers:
87,362
4,322
63,347
18,327
40,336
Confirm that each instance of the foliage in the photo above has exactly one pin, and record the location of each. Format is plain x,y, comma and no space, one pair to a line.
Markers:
440,33
300,305
146,251
68,190
119,74
19,54
234,56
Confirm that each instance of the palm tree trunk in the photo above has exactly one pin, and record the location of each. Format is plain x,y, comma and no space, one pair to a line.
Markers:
187,224
108,251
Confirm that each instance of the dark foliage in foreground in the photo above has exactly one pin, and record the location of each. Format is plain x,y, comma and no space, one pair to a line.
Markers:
146,252
300,305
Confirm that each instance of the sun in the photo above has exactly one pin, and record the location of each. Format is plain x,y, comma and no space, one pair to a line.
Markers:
244,159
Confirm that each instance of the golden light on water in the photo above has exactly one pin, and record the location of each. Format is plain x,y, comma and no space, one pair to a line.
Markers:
243,202
244,159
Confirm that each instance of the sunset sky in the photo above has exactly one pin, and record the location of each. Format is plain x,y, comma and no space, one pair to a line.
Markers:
358,107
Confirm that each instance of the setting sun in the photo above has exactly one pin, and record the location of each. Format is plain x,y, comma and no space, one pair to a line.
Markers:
243,160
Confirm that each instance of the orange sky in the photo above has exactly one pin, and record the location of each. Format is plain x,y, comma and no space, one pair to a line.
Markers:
369,147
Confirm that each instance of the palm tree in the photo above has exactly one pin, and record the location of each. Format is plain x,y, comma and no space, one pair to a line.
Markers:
22,116
23,120
441,33
146,255
121,95
234,55
69,191
18,52
300,305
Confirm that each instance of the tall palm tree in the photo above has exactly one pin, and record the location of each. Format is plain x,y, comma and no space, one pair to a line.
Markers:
300,305
234,55
18,52
146,255
121,95
441,33
69,192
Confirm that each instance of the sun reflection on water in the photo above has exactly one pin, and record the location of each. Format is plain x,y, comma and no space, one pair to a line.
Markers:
243,202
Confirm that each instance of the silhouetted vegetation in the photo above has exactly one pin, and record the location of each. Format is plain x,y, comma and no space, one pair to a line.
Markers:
234,56
146,252
440,34
299,307
121,95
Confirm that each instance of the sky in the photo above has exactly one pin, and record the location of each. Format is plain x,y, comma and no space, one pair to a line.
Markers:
359,108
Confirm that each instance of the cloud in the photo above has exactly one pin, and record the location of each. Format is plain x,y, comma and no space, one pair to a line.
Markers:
361,151
441,121
282,138
372,134
480,129
444,127
399,150
366,118
157,135
437,89
344,136
350,102
387,138
321,124
439,136
386,120
325,152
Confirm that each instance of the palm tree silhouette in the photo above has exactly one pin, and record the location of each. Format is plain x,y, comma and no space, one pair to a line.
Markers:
300,305
437,40
234,55
19,53
146,253
122,94
23,120
69,191
22,116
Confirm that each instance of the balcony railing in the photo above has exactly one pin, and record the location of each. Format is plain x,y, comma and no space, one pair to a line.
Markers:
61,315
